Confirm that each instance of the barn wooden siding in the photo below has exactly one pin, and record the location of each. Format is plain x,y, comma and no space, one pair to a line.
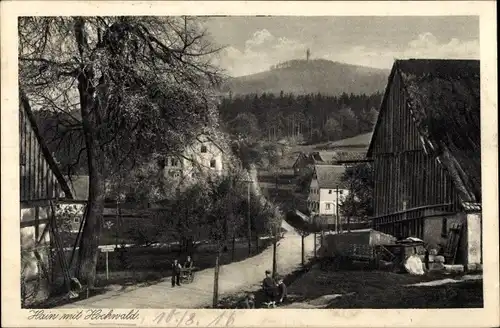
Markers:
38,181
404,173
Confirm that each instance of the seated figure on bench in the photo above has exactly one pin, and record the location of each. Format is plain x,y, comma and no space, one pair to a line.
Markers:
188,267
270,290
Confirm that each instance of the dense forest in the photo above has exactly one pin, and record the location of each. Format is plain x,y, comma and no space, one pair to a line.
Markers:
306,118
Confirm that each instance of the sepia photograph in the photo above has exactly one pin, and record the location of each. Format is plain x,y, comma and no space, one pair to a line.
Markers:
249,162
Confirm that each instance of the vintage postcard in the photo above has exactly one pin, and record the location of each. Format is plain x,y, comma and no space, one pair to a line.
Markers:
249,164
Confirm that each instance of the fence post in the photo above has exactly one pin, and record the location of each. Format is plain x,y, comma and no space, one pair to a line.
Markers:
107,265
215,300
315,246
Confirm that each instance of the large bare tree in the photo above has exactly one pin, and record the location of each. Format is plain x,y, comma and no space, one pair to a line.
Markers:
132,86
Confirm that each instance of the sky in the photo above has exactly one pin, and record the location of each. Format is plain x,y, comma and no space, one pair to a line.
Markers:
252,44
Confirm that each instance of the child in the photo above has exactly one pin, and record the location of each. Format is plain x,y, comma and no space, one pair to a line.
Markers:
249,301
281,292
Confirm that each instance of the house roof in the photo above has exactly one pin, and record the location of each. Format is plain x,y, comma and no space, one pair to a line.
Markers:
25,104
301,155
443,97
329,176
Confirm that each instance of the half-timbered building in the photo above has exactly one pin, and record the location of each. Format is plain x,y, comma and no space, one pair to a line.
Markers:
41,184
427,155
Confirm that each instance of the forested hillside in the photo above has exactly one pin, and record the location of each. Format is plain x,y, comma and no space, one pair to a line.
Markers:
311,76
311,117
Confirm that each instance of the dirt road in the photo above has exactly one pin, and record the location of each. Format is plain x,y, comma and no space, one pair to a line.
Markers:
234,277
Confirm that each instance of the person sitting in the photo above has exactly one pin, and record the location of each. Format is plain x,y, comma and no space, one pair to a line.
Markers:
269,287
281,291
249,302
189,263
188,268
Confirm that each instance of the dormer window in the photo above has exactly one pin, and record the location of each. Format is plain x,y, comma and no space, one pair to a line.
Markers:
203,149
212,163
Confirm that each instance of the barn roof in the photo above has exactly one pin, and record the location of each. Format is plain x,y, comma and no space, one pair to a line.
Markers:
329,176
443,97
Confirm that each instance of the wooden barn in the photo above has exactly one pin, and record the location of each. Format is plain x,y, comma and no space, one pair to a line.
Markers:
426,152
41,184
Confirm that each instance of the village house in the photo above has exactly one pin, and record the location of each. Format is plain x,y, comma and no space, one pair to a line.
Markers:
204,156
326,190
42,186
354,148
427,156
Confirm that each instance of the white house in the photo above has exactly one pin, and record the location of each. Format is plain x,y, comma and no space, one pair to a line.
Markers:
326,190
202,157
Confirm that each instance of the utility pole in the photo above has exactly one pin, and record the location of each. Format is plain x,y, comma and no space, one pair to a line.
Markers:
337,210
215,299
315,245
249,224
303,260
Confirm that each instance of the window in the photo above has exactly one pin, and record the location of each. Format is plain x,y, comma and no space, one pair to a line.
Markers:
161,163
173,162
330,191
76,220
212,163
176,174
328,205
203,149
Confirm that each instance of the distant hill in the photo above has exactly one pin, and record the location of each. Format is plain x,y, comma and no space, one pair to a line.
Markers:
313,76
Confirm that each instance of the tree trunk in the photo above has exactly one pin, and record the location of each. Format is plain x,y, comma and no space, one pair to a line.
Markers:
89,243
256,242
90,111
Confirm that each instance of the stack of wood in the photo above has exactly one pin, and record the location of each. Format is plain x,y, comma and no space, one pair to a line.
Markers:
436,262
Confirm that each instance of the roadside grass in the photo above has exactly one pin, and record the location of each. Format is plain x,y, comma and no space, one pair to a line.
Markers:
144,266
385,290
369,289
